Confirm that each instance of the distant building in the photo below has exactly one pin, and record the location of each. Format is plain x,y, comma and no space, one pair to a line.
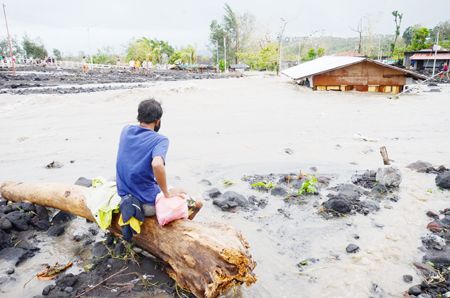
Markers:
239,67
423,60
343,73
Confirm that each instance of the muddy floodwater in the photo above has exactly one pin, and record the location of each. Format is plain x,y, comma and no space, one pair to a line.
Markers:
221,130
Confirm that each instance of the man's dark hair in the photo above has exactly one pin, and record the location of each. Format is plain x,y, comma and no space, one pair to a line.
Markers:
149,111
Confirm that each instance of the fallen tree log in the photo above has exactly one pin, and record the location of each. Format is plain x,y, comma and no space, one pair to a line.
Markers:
206,259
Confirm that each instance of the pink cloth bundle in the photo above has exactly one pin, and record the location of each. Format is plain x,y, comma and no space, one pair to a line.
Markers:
168,210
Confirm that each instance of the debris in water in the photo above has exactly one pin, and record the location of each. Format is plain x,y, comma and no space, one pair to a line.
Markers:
54,165
352,248
51,272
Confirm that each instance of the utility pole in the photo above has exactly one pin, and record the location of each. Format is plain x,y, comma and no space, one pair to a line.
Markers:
283,27
225,52
10,42
436,46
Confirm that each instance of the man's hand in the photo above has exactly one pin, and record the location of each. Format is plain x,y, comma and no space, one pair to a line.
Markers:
175,192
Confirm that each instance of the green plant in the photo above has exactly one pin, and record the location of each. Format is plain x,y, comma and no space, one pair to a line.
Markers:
227,182
262,185
222,65
309,186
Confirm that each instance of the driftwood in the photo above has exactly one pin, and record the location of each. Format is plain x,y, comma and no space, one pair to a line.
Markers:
206,259
385,156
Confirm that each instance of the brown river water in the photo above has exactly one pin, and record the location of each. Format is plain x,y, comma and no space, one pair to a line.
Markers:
225,129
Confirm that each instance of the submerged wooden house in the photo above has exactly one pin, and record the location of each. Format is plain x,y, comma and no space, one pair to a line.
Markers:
343,73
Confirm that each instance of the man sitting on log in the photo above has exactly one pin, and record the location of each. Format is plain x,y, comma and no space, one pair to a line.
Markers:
140,168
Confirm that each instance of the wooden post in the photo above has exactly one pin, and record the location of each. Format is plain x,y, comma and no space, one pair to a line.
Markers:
384,155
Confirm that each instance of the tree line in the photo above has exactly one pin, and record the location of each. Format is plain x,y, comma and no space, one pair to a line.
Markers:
235,39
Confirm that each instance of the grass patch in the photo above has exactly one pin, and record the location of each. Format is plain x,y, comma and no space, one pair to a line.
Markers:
262,185
309,186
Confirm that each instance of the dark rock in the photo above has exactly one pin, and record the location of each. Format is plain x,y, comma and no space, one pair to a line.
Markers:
93,231
443,180
338,205
88,241
371,205
352,248
278,191
47,289
432,214
19,220
5,224
10,270
99,250
379,190
66,280
407,278
27,207
377,291
80,234
288,151
25,244
56,231
261,203
6,209
5,239
205,182
41,225
389,176
213,193
323,181
109,240
42,212
3,202
230,199
347,191
434,241
119,250
414,290
445,221
68,289
366,180
419,166
394,198
441,259
62,217
13,255
82,181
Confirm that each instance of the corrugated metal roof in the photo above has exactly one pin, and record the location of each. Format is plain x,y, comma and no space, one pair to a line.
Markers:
430,56
319,65
328,63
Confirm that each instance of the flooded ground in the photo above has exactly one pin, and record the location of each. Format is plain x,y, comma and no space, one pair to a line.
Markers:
225,129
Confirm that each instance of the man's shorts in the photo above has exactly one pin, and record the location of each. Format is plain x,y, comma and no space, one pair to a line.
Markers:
149,210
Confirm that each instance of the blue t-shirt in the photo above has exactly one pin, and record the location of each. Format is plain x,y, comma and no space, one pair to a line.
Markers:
134,173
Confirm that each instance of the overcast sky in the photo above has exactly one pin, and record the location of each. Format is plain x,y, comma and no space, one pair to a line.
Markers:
87,25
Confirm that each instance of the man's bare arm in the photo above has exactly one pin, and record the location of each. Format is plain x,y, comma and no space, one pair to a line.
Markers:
160,175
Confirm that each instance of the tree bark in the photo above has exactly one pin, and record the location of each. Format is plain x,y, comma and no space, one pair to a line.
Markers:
206,259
